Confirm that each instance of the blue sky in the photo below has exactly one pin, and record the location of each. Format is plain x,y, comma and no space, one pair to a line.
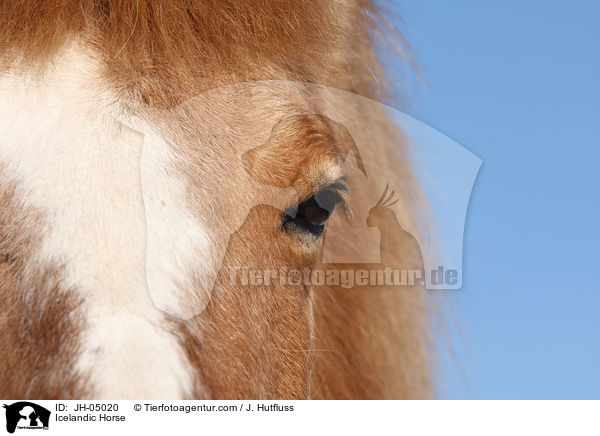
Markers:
518,84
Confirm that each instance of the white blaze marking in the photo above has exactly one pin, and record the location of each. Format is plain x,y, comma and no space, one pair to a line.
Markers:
177,245
74,161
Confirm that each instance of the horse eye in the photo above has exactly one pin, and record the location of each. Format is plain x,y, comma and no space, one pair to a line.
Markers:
312,214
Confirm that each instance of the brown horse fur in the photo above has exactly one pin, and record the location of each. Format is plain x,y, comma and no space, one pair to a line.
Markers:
261,342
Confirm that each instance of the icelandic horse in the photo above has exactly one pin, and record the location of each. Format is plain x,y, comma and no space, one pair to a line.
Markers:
103,227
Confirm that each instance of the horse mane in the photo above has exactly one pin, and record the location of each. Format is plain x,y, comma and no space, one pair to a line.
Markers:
167,50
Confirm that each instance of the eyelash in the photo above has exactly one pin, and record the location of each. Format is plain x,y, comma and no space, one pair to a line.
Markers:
311,215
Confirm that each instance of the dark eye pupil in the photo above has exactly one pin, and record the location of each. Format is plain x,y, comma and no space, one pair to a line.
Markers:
312,214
